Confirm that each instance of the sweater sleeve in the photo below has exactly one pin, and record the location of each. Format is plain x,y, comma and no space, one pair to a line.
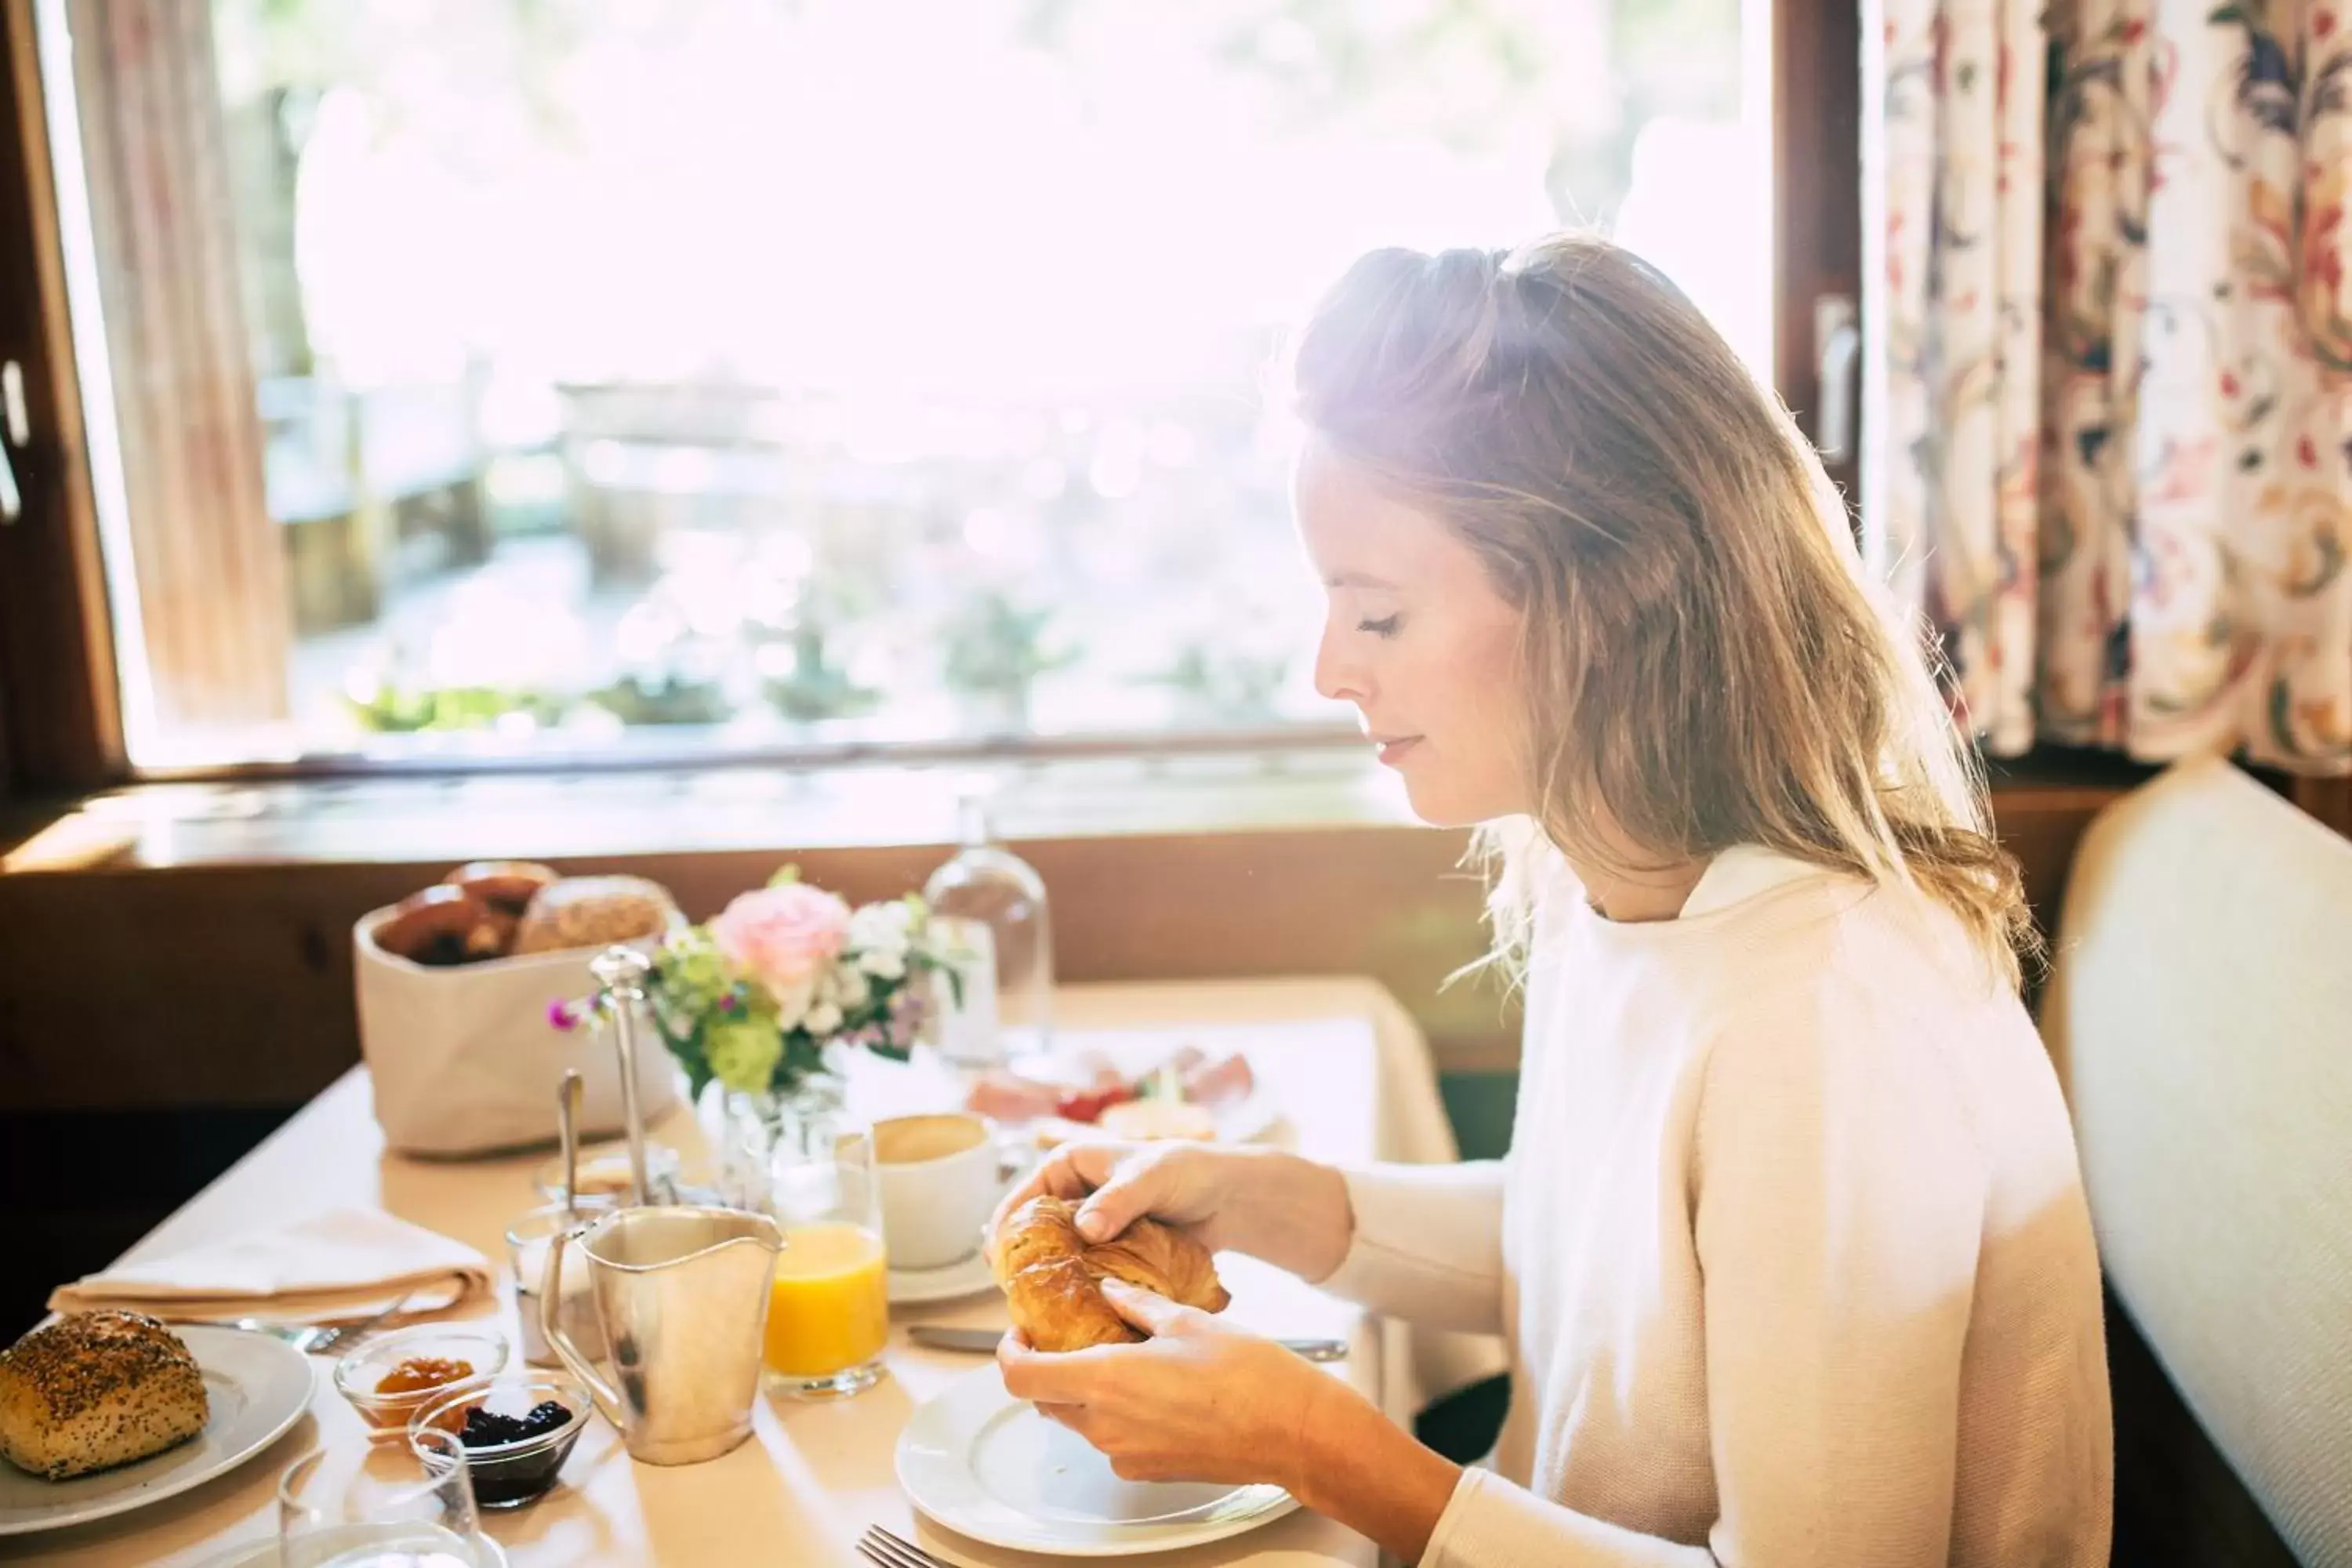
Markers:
1428,1244
1838,1198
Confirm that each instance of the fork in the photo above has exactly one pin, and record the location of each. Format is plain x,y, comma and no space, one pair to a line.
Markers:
311,1339
879,1545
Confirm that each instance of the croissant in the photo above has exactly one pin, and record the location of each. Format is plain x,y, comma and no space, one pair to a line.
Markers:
1050,1275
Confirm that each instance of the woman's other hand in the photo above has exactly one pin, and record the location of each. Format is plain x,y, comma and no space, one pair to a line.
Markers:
1200,1400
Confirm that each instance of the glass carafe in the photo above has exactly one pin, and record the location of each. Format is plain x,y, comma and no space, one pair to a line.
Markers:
991,904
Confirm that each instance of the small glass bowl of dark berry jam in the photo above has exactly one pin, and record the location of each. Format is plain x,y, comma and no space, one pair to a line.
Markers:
517,1431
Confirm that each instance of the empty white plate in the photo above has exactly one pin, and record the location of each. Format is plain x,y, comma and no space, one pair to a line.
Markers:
983,1464
256,1387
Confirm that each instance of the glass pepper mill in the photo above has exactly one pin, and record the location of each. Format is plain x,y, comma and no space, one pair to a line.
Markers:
989,905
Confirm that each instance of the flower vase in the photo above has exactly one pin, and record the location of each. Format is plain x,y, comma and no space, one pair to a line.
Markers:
764,1133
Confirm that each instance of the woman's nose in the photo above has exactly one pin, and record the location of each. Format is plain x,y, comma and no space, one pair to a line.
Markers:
1336,676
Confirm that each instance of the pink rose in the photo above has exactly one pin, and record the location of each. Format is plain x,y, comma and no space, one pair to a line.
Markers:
784,937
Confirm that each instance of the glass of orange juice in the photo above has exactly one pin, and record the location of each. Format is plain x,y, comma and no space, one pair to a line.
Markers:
829,1303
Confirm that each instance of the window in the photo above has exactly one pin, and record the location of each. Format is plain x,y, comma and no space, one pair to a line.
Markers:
564,377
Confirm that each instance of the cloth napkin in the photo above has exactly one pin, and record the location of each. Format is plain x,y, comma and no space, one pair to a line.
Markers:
340,1265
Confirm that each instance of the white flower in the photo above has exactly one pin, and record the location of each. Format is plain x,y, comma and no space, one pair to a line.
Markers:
880,927
822,1020
849,989
884,963
792,1006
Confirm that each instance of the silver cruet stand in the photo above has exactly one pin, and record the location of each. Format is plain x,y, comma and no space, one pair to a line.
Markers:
620,974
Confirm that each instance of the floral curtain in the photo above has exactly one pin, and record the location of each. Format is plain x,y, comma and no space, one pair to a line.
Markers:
2110,366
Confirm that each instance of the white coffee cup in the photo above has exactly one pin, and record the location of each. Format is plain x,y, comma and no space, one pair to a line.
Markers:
942,1176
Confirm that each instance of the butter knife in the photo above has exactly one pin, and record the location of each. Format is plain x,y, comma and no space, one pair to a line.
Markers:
982,1342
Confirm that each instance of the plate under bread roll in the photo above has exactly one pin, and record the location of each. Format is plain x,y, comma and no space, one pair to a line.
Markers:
257,1388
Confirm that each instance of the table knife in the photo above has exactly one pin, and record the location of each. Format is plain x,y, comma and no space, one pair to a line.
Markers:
982,1342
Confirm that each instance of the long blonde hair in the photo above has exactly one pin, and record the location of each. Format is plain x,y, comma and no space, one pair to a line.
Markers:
1703,658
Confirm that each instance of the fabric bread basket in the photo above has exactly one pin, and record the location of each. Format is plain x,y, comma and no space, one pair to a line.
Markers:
464,1060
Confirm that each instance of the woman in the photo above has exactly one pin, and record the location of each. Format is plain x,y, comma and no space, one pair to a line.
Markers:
1790,1248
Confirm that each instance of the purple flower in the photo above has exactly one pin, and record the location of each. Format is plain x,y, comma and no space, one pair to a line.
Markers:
731,1002
560,1015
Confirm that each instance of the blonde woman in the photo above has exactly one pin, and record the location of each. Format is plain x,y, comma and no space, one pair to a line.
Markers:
1790,1247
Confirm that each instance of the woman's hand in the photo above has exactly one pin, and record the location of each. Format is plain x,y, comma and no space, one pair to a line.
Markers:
1290,1212
1199,1401
1114,1184
1204,1400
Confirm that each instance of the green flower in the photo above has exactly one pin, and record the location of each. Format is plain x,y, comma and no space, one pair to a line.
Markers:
691,973
743,1052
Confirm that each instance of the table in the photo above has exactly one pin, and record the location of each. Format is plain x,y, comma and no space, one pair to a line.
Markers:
1341,1056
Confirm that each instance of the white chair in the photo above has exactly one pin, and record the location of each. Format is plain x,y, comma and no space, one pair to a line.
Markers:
2201,1014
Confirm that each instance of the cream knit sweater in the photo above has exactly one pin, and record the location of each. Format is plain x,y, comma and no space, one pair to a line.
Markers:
1791,1250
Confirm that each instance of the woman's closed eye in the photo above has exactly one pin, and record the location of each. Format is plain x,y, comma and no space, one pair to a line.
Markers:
1386,626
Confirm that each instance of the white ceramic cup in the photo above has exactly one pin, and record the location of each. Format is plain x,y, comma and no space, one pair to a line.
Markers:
941,1175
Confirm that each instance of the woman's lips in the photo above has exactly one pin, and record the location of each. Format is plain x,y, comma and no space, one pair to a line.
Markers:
1392,751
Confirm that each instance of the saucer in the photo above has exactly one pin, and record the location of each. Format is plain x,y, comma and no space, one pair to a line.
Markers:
970,1278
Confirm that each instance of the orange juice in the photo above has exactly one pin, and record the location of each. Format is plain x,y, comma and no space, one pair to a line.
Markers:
829,1304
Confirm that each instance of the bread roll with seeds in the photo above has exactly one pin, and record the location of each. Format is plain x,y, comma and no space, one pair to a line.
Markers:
95,1390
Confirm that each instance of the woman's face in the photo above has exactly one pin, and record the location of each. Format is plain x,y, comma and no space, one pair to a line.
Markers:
1417,637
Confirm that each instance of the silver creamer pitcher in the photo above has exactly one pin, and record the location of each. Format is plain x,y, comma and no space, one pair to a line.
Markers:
683,1293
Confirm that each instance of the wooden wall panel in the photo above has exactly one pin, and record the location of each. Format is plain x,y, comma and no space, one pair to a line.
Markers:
2177,1499
2330,800
233,985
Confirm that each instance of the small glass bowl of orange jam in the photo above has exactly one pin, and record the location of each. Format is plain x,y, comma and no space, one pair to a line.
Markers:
389,1377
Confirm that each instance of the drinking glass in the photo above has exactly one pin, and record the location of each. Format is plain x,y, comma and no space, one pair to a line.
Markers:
528,1240
829,1304
403,1506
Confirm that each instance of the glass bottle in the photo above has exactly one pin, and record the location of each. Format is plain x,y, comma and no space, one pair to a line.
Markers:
991,904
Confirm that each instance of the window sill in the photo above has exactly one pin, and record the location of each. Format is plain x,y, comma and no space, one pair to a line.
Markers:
681,811
605,813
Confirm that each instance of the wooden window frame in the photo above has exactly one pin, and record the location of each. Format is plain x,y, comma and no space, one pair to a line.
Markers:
1816,201
61,721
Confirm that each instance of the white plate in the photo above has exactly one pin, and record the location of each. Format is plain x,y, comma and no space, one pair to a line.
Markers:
1244,1120
985,1464
258,1387
912,1287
